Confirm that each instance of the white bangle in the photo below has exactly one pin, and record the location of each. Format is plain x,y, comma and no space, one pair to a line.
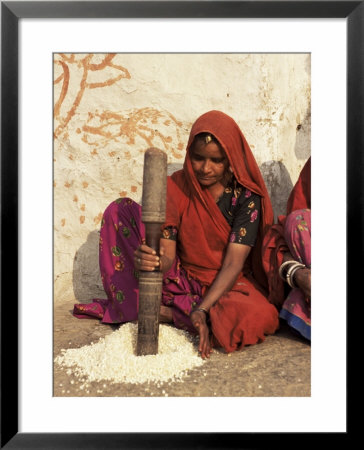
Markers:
291,271
285,264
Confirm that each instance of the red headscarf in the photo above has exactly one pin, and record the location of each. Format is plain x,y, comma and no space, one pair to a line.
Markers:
300,197
203,230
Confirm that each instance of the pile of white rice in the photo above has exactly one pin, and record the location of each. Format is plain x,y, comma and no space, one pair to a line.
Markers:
114,359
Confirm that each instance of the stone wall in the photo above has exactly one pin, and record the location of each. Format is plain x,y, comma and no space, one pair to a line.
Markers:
109,108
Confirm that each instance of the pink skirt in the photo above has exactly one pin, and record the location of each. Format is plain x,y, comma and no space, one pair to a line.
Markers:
296,309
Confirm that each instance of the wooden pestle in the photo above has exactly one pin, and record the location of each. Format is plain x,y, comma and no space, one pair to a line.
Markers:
153,216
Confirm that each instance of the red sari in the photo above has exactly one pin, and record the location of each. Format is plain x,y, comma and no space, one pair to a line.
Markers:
242,316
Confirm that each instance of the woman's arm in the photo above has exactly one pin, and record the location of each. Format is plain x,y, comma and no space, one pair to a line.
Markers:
302,277
232,266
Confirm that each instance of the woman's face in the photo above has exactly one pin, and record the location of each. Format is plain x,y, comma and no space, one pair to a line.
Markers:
209,162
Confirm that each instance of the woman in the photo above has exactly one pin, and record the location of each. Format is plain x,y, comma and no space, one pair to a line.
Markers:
210,252
287,257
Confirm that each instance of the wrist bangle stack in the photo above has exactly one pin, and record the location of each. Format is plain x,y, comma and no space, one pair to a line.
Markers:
290,273
287,271
283,269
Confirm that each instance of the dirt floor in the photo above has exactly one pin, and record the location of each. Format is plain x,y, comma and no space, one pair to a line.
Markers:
278,367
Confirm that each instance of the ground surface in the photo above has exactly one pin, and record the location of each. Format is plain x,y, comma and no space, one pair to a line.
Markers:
279,367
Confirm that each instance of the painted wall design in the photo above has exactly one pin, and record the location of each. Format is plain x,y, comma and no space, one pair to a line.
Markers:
109,108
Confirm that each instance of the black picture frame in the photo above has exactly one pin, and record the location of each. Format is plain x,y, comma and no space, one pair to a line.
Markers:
11,12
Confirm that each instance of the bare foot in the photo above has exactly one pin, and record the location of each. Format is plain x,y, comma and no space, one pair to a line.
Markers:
165,314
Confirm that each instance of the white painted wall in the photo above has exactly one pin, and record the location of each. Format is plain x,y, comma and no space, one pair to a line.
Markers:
110,108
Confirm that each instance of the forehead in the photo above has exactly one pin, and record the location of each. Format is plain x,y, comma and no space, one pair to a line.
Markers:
212,149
